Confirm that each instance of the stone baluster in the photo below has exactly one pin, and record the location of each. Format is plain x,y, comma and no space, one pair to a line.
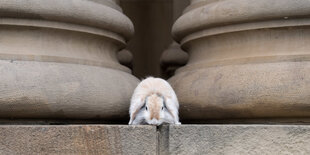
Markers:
171,59
58,59
125,58
249,59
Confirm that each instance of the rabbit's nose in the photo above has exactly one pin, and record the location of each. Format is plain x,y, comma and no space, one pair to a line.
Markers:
154,121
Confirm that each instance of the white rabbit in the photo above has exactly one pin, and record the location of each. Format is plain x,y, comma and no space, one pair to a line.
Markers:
154,102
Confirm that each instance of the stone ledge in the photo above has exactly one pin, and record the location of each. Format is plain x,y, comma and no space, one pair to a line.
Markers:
184,139
77,139
237,139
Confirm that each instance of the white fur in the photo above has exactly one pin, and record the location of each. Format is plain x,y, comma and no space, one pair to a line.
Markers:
149,86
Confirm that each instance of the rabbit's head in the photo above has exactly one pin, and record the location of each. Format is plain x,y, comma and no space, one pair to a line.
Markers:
154,102
154,111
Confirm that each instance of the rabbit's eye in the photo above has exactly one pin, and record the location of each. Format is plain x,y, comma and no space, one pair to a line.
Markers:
162,108
146,108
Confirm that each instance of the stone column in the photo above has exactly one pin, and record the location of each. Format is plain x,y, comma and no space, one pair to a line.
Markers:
171,59
125,58
58,59
249,59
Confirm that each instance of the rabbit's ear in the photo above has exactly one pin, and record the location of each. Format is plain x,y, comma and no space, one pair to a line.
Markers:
136,110
172,108
168,107
133,116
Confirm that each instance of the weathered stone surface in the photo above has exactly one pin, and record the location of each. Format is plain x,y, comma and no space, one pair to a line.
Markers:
239,139
183,139
58,59
78,139
217,13
104,15
32,89
248,59
238,91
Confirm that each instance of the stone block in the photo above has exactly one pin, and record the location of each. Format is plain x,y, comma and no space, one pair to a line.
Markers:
78,139
239,139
